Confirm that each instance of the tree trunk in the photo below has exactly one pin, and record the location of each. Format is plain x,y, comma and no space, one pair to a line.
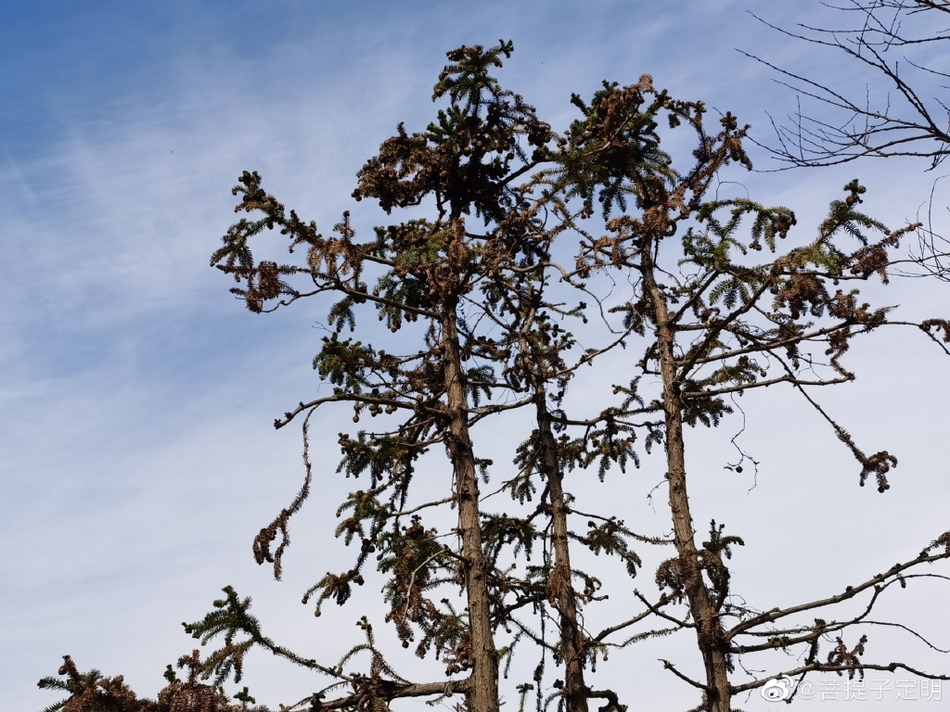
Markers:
482,695
572,640
709,630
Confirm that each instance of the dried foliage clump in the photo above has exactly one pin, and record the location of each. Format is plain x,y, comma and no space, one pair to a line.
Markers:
90,692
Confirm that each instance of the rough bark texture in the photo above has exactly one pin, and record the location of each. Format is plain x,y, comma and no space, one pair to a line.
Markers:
565,599
709,631
482,695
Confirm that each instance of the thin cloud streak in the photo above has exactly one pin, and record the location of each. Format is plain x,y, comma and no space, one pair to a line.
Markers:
139,396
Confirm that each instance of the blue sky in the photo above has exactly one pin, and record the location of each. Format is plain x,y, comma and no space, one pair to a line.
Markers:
137,396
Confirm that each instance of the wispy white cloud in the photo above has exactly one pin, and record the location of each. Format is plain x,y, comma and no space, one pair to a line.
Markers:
137,396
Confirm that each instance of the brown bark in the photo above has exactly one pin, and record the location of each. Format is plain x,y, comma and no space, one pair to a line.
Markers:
709,631
427,689
482,694
572,639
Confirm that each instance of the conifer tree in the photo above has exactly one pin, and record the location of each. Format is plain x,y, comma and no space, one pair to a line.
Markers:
493,305
473,278
723,323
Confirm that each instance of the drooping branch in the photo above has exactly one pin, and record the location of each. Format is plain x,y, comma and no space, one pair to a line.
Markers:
891,575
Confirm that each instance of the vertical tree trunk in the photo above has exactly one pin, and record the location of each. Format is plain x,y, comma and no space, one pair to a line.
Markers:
572,641
483,693
709,630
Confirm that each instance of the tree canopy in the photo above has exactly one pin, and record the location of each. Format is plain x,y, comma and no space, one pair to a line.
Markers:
515,262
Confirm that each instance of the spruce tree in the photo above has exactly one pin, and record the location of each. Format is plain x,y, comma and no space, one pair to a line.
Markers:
498,289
